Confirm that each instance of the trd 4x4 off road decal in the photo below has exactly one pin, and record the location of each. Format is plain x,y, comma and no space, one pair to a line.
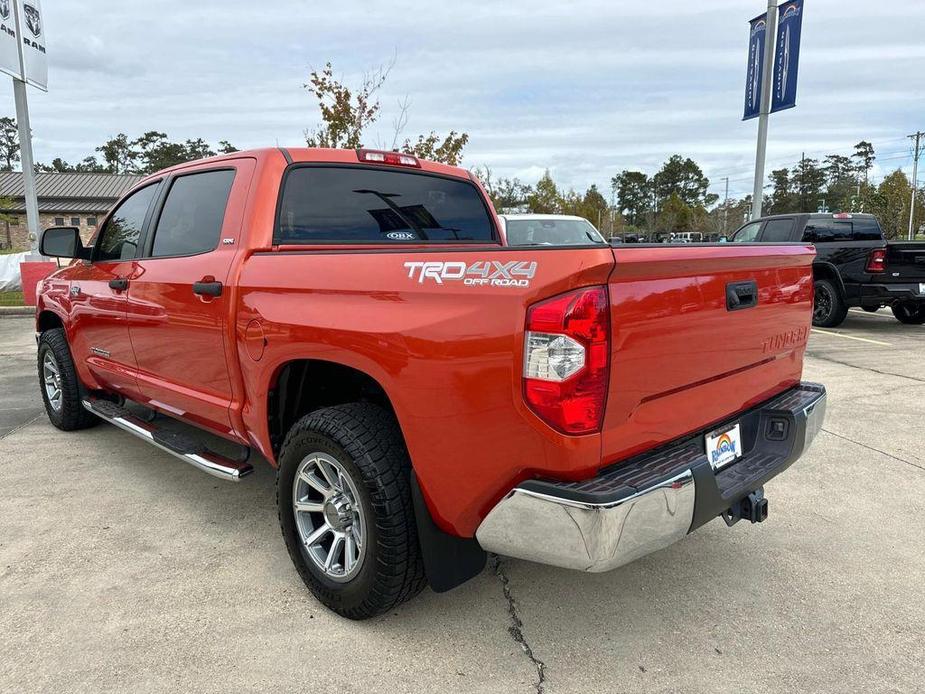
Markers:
482,273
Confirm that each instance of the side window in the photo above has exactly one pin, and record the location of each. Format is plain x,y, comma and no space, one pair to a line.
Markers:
360,204
747,234
119,237
777,230
191,220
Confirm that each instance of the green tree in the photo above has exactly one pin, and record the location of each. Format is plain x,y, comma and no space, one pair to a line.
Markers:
782,198
682,177
674,215
545,198
594,207
347,113
9,143
634,194
890,204
864,157
119,154
808,181
505,193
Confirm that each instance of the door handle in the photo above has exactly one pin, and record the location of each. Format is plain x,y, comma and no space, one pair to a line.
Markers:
741,295
207,288
120,284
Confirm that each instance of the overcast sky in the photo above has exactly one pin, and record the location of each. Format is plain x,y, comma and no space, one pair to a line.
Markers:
585,89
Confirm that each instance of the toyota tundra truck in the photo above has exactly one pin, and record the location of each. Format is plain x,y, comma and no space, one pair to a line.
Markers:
426,392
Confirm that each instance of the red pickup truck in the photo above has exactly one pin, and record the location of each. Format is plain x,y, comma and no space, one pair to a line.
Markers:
426,392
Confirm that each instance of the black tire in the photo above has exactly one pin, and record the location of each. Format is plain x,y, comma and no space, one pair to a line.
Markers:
70,414
367,442
908,312
829,310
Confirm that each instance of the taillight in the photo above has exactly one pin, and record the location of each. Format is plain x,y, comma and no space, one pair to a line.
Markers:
567,360
374,156
876,261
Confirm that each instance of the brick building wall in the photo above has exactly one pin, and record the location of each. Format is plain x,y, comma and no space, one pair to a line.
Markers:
16,234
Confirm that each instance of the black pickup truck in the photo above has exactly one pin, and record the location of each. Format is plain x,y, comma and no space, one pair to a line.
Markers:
854,266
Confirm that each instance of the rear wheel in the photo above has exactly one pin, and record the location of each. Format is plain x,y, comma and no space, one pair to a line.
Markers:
828,308
344,499
910,313
59,383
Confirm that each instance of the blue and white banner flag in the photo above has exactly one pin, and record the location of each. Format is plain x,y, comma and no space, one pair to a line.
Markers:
787,56
758,31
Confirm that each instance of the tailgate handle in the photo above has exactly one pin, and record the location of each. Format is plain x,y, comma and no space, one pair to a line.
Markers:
741,295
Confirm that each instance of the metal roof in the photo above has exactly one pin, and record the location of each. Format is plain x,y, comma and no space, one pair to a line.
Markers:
74,186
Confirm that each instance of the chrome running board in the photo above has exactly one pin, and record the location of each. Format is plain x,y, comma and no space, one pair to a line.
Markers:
184,447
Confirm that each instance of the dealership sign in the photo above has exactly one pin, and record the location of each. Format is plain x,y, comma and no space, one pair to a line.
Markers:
22,28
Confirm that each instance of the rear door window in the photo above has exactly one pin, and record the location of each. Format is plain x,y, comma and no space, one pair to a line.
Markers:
325,204
777,230
191,219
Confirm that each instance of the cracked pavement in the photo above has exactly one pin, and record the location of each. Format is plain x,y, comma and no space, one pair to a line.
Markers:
123,569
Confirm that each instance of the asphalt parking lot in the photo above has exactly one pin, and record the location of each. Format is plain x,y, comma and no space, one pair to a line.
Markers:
122,569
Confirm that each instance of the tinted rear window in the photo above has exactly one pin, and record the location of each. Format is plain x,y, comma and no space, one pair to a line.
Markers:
858,229
352,204
191,220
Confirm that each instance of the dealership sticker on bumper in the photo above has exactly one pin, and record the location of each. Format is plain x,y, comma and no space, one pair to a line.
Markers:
723,446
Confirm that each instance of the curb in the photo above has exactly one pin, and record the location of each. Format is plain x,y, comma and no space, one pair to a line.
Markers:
16,311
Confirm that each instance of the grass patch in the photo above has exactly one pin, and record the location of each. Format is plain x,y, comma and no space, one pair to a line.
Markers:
11,299
9,251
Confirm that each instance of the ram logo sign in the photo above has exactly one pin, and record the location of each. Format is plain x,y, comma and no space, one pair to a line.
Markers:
482,273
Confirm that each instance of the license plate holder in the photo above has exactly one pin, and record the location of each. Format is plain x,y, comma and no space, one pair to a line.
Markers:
724,446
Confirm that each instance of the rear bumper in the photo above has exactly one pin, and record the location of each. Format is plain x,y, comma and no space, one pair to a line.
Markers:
878,294
649,502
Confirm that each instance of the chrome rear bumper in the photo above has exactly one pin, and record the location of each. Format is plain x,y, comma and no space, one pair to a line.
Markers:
645,504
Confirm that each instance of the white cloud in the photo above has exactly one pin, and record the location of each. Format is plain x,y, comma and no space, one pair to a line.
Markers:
584,88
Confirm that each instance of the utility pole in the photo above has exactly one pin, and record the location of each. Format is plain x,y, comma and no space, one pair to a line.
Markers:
915,176
770,44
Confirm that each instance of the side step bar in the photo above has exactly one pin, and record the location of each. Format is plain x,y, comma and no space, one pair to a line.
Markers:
184,447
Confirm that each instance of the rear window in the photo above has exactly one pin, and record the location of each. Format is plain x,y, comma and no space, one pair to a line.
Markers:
322,204
551,231
858,229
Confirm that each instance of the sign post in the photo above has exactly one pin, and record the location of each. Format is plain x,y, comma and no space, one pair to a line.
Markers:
771,82
22,56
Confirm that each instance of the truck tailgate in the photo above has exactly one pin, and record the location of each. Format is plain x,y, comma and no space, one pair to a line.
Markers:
905,261
683,356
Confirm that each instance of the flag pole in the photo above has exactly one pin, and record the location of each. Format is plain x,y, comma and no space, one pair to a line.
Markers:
770,43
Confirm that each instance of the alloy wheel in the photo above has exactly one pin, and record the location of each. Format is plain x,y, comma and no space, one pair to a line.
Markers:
329,517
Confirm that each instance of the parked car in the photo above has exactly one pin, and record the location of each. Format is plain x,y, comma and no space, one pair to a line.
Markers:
854,265
427,391
549,230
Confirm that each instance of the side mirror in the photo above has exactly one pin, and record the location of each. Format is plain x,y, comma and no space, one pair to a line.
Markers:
63,242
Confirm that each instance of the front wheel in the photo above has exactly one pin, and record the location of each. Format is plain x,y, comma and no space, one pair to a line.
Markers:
910,313
59,383
344,499
829,310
